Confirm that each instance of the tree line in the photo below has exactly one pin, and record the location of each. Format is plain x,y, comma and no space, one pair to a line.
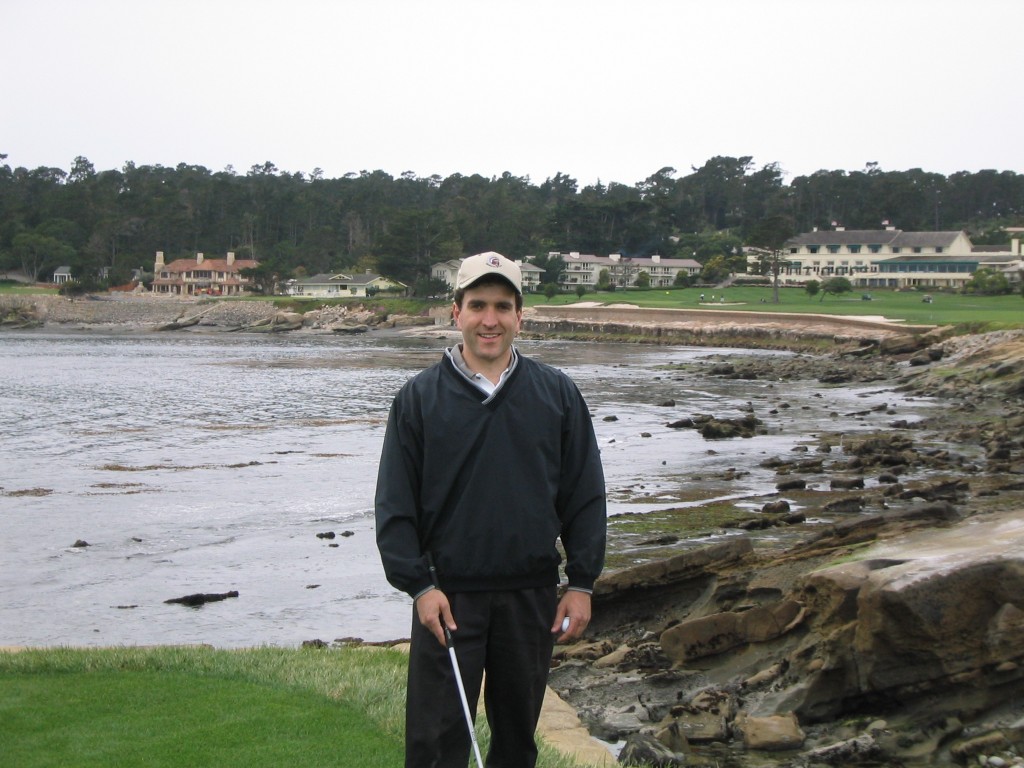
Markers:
113,221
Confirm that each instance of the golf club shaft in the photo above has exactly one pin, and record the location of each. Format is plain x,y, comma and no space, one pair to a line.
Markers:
465,701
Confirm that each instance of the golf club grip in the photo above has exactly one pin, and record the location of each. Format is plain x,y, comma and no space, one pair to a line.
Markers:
433,580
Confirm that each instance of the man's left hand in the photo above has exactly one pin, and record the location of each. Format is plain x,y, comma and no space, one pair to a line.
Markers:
575,605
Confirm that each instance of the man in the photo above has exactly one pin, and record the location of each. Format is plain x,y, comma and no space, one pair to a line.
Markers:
489,457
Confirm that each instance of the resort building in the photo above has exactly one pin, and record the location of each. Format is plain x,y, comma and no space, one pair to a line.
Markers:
201,276
585,270
892,258
623,271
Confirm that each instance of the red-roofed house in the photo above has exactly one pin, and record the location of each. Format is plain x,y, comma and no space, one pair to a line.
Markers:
201,276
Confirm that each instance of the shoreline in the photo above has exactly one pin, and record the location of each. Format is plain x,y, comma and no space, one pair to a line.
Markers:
582,321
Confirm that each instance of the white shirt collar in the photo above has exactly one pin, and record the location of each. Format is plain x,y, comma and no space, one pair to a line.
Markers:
478,380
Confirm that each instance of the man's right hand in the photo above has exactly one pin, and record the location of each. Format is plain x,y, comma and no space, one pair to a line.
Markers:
435,613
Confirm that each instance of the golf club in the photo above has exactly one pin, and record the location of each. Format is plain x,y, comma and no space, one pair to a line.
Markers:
450,645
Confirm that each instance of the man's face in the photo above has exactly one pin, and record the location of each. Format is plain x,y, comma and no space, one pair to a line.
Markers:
489,322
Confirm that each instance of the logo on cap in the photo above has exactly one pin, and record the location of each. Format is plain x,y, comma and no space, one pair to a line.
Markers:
493,261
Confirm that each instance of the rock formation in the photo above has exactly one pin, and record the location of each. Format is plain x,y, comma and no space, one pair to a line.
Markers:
891,633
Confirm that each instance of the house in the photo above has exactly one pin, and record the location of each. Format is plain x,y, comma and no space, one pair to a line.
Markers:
886,257
531,275
585,270
62,275
341,285
446,271
199,276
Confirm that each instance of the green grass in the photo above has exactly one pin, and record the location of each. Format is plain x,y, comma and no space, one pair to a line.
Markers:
18,289
975,313
969,313
196,706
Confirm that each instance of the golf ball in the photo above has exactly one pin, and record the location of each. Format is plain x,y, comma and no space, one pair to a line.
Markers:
565,624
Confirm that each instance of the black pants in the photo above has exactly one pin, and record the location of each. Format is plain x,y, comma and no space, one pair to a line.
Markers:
506,634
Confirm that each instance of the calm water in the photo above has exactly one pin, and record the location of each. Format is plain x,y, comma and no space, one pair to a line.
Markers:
210,462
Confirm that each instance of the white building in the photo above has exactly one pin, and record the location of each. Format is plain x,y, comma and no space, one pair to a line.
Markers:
341,285
891,258
62,275
585,270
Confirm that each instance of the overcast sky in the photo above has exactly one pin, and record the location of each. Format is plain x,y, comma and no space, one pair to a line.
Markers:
597,90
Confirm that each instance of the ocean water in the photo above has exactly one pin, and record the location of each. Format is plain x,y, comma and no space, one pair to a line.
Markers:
210,462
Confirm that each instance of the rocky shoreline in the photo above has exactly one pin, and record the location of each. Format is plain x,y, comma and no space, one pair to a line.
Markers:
147,313
887,629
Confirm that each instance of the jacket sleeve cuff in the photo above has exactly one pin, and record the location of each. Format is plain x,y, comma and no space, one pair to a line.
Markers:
422,592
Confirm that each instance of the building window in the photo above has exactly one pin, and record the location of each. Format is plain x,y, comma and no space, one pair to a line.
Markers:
896,249
875,248
854,249
813,248
917,249
938,249
833,249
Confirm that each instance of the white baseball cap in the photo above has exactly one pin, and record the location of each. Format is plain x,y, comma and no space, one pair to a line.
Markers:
475,267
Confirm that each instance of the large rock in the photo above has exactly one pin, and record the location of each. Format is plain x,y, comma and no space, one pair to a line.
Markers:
660,573
934,610
720,632
663,591
775,732
901,345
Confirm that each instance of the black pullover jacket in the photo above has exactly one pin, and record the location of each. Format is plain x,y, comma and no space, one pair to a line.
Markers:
487,488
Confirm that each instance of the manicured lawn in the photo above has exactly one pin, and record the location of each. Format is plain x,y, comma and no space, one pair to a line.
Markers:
112,718
26,290
976,312
200,707
192,707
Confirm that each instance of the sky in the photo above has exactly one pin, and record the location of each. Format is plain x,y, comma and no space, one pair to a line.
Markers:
601,91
